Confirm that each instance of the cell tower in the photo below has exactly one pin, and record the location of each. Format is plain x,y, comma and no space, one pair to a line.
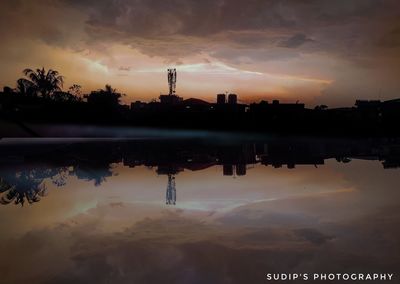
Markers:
171,191
172,81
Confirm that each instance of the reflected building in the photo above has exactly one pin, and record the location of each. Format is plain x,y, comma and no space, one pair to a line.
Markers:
25,168
241,169
227,170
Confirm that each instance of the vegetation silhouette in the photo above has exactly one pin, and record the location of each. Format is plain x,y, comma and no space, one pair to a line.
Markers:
19,194
40,99
28,184
107,97
27,181
36,166
42,82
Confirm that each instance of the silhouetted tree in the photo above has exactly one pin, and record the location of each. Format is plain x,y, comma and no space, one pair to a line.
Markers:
44,82
105,97
25,87
75,90
7,90
61,96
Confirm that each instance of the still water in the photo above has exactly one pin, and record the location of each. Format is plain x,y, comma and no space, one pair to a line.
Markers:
196,210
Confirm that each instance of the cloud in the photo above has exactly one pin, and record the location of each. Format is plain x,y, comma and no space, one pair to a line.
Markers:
176,28
295,41
178,249
124,68
304,38
391,39
130,241
313,236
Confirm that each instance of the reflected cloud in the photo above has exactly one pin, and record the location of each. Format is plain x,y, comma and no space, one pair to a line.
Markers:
110,223
179,249
54,161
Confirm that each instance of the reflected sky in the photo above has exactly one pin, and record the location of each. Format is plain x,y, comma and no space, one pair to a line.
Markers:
336,217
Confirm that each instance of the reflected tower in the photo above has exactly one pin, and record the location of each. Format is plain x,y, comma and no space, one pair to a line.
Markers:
170,171
171,191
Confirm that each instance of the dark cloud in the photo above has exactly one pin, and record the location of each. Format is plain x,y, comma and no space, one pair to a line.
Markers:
391,39
175,28
295,41
313,236
339,37
245,216
175,249
178,28
192,17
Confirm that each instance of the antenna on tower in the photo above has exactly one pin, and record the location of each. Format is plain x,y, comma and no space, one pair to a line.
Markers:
172,81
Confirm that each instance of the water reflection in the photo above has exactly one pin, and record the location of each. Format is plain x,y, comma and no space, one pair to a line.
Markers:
23,172
26,184
197,211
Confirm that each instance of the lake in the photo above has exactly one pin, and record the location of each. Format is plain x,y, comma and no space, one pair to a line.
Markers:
209,209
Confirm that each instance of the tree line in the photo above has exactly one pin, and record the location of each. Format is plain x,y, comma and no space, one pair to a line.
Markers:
48,85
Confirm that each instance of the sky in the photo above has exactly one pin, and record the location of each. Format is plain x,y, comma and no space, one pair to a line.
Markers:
223,228
314,51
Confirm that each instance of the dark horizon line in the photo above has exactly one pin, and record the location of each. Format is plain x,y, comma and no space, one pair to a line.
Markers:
261,100
56,80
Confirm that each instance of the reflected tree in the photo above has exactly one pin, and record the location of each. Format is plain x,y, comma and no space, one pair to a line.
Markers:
29,185
93,172
27,189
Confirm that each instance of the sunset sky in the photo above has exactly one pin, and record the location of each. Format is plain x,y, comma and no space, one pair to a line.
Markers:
315,51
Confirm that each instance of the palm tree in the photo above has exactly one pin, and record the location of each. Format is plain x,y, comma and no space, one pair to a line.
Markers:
25,87
45,83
